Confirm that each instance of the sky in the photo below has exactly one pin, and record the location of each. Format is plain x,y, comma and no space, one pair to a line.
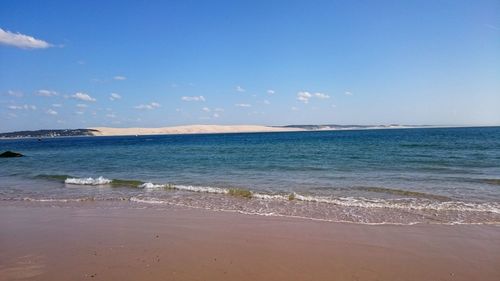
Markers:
78,64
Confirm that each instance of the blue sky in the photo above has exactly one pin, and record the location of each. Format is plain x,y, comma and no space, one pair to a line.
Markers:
74,64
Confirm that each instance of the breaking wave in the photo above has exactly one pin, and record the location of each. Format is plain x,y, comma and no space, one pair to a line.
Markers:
410,200
88,181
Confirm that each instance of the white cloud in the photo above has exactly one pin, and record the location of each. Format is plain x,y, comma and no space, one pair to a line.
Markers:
206,109
51,112
243,105
347,93
111,115
114,96
216,115
83,97
56,105
149,106
304,96
266,102
21,41
16,94
293,108
22,107
193,98
120,78
46,93
81,105
218,109
321,96
239,89
79,112
334,105
271,92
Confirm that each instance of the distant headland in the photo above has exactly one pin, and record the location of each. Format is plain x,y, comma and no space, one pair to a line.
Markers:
191,129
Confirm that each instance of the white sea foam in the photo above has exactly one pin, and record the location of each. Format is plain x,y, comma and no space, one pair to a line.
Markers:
206,189
263,196
88,181
402,204
150,185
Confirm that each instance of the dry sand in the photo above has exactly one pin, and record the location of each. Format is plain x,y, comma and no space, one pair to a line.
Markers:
190,129
90,242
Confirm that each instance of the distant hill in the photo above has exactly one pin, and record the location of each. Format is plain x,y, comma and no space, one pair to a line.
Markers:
48,133
192,129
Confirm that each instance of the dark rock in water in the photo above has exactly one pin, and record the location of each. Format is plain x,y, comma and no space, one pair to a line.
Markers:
11,154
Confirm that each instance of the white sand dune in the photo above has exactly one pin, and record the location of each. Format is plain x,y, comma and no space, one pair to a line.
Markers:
190,129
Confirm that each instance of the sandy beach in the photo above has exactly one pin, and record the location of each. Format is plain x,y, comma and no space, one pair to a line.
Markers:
190,129
93,241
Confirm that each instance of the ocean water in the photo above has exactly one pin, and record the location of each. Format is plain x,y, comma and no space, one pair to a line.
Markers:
400,176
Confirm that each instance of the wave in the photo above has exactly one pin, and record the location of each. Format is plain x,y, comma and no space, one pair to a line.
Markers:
408,204
491,181
402,192
53,177
88,181
150,185
413,201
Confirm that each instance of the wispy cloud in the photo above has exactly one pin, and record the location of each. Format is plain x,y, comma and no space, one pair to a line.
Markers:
56,105
239,89
206,109
149,106
293,108
271,92
266,102
46,93
243,105
111,115
193,98
22,107
216,115
119,78
21,41
51,112
81,105
83,97
16,94
347,93
114,96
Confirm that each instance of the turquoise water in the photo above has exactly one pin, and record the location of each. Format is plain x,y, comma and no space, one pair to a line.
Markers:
432,175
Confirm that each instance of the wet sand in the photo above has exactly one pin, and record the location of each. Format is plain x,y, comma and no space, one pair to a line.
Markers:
95,242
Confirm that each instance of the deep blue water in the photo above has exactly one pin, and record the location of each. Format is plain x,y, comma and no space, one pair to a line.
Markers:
440,164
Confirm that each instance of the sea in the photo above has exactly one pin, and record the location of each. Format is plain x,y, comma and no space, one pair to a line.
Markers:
378,176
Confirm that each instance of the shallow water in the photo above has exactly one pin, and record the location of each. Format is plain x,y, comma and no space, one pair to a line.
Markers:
432,175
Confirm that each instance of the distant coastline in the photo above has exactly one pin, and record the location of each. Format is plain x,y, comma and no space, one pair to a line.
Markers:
199,129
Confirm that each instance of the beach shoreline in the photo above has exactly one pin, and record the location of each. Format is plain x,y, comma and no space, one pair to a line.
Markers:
190,129
96,241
